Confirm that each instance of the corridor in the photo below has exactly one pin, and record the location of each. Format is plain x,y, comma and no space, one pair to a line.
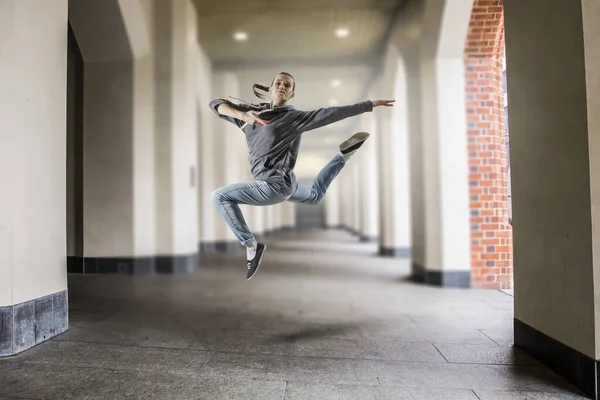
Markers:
323,319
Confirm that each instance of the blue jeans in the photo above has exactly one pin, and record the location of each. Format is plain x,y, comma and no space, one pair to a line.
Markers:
263,193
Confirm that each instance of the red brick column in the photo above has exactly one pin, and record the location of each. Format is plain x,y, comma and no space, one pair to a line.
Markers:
491,233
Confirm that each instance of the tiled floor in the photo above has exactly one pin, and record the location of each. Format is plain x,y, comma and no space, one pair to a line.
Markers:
323,319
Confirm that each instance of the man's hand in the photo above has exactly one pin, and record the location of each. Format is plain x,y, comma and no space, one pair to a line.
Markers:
251,117
385,103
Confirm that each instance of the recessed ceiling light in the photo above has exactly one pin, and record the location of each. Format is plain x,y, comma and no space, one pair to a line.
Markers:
336,83
240,36
342,32
333,102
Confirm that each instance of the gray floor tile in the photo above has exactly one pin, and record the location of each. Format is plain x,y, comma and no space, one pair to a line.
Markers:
174,339
106,333
424,321
504,337
160,386
75,354
282,368
460,376
381,349
299,328
485,354
504,395
424,335
298,391
25,381
239,343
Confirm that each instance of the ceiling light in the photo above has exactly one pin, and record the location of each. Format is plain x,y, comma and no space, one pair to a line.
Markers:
342,32
336,83
239,36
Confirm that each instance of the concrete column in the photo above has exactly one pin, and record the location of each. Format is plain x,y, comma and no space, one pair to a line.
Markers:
553,70
369,189
258,220
176,135
139,30
346,198
392,139
407,36
206,151
356,198
227,140
278,208
269,218
445,168
33,91
289,215
333,205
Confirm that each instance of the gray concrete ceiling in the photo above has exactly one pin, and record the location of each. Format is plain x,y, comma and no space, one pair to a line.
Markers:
299,30
299,37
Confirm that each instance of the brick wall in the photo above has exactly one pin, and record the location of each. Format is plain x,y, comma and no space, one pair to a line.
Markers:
491,233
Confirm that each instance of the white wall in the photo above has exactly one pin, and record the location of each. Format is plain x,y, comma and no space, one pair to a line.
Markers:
206,155
176,153
591,21
393,155
144,203
184,134
139,18
107,158
33,209
333,204
369,191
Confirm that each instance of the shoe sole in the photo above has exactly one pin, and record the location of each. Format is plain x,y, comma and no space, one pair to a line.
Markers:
354,140
259,261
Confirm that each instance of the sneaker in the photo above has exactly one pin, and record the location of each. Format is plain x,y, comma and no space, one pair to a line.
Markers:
351,145
254,264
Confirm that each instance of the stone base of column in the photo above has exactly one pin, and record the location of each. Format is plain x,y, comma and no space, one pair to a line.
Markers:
221,247
177,264
369,239
455,279
396,252
575,367
349,230
168,264
27,324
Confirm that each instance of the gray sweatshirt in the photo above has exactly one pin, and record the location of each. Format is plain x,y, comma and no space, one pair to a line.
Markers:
274,148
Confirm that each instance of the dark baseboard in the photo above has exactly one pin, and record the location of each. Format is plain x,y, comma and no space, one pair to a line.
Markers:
397,252
176,264
111,265
334,227
180,264
577,368
369,239
455,279
27,324
220,247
